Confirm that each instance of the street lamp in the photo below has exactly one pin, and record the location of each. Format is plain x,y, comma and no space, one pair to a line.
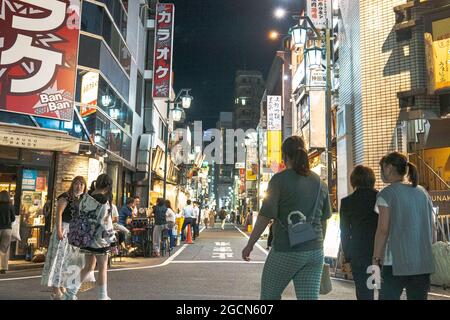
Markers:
185,100
313,56
279,13
299,35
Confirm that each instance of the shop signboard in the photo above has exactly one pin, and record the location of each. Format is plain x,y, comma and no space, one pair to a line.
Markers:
441,200
29,178
89,93
317,119
332,240
274,143
273,113
317,78
41,183
320,12
162,68
38,57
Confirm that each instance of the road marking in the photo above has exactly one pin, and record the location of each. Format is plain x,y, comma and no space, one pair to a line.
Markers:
257,244
216,261
22,278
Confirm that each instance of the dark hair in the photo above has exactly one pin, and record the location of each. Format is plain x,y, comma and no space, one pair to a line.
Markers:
129,201
103,182
75,180
188,202
402,165
4,197
168,204
362,177
137,197
294,149
160,202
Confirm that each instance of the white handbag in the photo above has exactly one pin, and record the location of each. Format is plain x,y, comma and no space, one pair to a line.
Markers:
15,233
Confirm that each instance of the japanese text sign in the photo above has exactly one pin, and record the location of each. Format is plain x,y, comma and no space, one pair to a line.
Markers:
273,113
38,56
320,13
162,69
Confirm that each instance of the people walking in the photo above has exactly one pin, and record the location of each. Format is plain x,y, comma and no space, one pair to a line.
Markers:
212,217
299,191
358,222
188,213
60,252
206,214
96,252
196,219
7,217
223,216
404,234
170,223
160,224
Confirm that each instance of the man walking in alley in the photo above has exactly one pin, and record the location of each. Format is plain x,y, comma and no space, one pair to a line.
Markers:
188,213
223,216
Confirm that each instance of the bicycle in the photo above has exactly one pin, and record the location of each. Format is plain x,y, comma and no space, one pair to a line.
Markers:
165,242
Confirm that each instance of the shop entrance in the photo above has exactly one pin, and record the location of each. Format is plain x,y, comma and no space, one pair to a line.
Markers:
27,177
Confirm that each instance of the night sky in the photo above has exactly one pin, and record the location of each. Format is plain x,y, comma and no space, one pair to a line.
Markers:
214,39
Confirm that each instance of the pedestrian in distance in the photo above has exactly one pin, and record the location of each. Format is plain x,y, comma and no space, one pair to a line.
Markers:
171,223
188,213
206,214
7,217
404,236
196,220
60,252
160,225
96,252
223,216
212,217
300,191
358,224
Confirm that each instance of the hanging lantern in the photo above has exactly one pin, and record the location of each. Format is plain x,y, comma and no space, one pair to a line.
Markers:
313,57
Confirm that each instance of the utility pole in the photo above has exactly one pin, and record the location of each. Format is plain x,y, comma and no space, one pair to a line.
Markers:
328,110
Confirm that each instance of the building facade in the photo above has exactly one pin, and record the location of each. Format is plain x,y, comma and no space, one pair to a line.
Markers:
385,101
249,88
107,127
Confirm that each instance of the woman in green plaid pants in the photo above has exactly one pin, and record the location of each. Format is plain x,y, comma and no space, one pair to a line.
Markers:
303,268
295,189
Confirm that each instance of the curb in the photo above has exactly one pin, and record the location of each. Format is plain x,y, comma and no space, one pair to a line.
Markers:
31,266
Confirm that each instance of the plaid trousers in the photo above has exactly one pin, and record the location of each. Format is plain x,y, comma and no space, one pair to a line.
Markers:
304,268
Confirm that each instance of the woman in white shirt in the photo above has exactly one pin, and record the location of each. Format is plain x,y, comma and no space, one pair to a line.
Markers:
171,226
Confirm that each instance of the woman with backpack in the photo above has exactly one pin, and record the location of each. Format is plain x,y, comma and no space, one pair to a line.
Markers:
96,208
296,192
60,252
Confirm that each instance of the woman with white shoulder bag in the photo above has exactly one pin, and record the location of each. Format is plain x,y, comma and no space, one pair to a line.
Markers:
7,217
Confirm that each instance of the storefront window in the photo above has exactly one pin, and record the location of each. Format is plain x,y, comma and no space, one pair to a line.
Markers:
115,139
95,20
126,147
101,131
16,118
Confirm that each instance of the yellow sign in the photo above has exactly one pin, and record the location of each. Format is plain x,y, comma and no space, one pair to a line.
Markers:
274,143
438,63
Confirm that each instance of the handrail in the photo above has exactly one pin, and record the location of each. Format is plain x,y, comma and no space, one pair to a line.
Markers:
430,169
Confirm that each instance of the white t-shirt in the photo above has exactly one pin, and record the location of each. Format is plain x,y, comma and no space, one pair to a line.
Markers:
115,212
170,215
188,212
387,253
196,212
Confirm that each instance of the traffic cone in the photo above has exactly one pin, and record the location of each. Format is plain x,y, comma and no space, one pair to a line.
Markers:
189,236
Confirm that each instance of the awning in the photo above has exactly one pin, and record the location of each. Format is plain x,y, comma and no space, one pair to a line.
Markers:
438,134
37,139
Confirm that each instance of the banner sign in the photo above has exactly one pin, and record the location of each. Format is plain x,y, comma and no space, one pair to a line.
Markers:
274,143
273,113
38,57
162,68
437,55
320,12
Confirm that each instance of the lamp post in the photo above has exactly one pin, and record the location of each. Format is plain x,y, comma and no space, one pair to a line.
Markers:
300,33
186,101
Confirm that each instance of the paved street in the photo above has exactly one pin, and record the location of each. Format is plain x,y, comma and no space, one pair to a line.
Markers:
209,269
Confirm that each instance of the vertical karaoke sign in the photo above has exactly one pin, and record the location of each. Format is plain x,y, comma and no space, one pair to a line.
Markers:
320,12
162,69
38,57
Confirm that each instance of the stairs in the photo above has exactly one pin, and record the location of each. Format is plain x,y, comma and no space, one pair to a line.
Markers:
428,178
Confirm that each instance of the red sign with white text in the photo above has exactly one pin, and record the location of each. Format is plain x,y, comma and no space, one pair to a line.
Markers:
38,56
162,69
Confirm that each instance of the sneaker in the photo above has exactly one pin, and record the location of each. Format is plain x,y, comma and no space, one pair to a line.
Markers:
104,298
68,296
